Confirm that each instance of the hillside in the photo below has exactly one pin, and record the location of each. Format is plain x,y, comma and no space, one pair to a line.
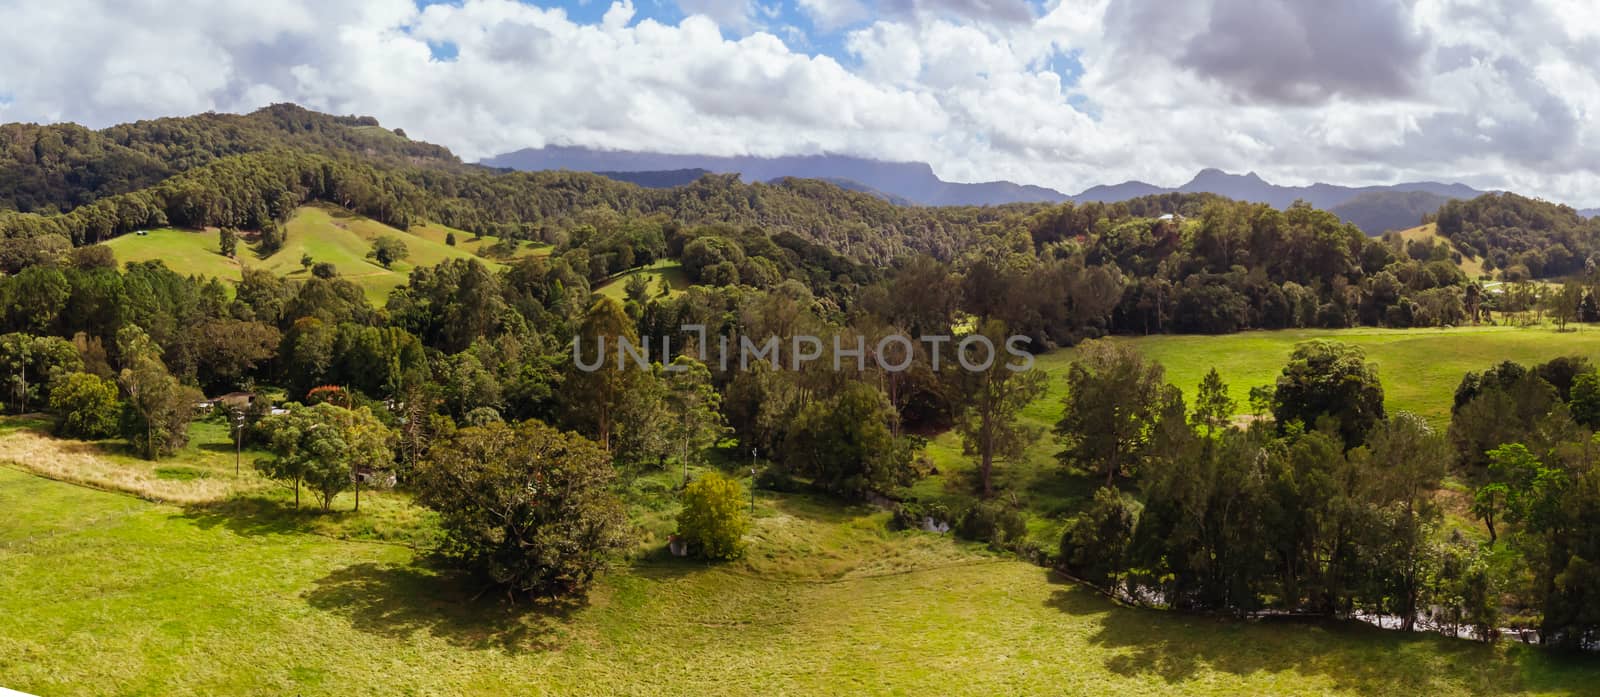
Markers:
1527,236
1377,212
1472,266
323,232
61,166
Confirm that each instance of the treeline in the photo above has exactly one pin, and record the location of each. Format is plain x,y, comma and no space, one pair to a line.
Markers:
1333,507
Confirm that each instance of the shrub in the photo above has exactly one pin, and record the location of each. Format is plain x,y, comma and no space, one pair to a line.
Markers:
713,519
992,522
910,514
87,405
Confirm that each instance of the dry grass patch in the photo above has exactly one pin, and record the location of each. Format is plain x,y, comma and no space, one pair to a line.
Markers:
89,464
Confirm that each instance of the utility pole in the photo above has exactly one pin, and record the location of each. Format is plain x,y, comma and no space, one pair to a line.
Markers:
238,442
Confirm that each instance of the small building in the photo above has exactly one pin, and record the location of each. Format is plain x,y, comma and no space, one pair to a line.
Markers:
235,400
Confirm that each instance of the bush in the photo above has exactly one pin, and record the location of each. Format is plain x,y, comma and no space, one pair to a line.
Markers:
910,514
713,519
528,507
87,405
1095,541
992,522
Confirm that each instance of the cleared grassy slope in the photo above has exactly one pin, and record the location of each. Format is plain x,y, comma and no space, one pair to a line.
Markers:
617,286
184,251
327,233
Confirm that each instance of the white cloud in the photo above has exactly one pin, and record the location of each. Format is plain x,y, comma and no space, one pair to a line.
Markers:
1494,94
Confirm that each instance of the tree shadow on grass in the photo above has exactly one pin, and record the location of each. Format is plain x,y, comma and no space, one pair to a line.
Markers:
1353,656
252,516
401,601
223,448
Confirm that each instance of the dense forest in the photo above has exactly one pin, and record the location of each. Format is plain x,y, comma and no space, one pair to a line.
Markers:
453,384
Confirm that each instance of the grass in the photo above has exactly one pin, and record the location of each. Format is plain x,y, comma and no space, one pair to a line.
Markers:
466,241
616,286
327,233
107,594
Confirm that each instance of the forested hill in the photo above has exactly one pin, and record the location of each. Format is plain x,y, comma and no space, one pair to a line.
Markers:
1528,238
62,166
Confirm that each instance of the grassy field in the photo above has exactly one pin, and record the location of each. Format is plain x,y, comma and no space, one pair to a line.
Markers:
107,594
327,233
616,286
1420,369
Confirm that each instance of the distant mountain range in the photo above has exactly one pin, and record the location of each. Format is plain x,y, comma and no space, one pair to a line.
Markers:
1374,209
1589,212
911,181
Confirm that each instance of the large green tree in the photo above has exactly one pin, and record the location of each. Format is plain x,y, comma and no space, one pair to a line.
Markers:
1327,379
1110,410
845,443
526,506
325,447
992,400
158,409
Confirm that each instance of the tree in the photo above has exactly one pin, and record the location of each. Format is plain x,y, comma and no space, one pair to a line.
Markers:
156,415
326,447
1565,303
692,401
272,239
1094,543
31,364
1333,380
1213,407
450,239
228,351
1585,402
606,385
1408,460
325,270
637,288
845,443
388,249
526,506
643,434
35,297
306,261
992,399
87,405
228,242
1112,402
1488,505
713,520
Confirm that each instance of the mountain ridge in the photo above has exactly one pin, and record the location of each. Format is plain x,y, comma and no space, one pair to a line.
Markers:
916,182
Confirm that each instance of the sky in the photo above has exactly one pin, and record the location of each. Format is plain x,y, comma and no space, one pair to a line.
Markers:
1498,94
